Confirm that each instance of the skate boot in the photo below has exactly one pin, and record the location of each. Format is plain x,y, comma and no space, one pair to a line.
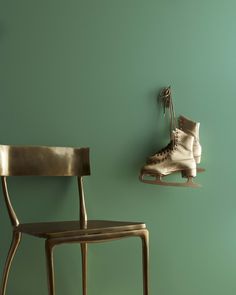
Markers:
191,127
179,159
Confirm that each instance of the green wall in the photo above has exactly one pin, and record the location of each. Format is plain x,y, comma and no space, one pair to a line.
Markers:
86,73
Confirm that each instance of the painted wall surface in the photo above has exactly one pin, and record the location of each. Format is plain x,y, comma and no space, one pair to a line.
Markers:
86,73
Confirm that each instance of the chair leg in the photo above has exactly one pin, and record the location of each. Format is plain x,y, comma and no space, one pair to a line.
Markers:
84,251
14,245
145,249
50,267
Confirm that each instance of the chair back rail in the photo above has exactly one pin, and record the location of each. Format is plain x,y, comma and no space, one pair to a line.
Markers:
43,161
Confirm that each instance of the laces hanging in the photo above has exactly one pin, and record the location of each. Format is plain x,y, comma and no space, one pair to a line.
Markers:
167,102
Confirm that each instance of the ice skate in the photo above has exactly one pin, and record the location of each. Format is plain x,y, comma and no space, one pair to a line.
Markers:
178,159
189,127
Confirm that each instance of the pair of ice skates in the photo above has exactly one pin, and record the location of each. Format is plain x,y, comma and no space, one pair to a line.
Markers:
182,154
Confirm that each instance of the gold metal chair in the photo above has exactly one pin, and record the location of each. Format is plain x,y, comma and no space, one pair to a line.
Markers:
61,161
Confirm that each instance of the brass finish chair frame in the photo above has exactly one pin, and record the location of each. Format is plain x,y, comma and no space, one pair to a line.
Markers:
61,161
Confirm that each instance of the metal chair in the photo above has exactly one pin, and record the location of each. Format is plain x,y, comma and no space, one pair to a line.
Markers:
61,161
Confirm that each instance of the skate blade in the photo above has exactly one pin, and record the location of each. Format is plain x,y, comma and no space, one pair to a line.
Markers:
157,179
199,170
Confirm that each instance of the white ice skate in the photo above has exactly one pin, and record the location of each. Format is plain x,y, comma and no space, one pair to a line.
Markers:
178,159
184,123
189,127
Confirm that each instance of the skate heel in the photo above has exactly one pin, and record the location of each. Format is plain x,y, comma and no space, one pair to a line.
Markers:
189,173
197,159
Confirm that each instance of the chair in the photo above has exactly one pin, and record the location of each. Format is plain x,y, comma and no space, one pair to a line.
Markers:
61,161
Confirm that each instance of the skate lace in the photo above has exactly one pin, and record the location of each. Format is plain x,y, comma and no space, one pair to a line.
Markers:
164,150
173,146
167,101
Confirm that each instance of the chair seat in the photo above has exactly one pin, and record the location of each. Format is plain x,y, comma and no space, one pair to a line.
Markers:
74,228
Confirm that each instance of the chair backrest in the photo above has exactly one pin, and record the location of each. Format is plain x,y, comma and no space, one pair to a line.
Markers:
43,161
